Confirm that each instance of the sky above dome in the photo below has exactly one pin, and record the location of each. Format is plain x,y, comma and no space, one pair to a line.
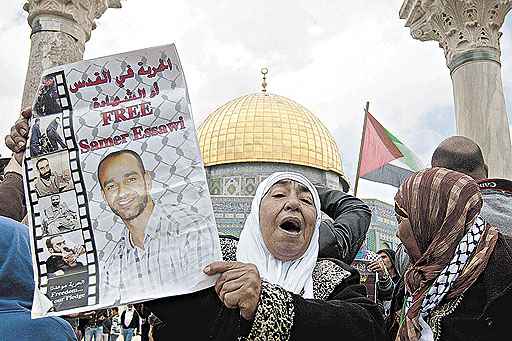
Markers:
331,58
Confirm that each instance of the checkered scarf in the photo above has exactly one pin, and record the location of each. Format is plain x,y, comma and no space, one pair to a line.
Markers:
442,208
451,272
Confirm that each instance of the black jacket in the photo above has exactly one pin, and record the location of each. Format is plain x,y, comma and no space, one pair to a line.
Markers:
134,323
484,312
340,308
342,237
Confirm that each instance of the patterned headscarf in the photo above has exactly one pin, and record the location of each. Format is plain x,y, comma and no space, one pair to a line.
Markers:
443,209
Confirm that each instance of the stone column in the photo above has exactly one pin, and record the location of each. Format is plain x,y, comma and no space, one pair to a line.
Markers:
60,29
468,32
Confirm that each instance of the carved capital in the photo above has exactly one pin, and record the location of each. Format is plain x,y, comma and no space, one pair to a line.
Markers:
74,17
460,26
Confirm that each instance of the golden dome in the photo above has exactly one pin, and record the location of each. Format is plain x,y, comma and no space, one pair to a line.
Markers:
264,127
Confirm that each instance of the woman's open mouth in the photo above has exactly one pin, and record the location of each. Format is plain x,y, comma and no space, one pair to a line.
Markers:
291,225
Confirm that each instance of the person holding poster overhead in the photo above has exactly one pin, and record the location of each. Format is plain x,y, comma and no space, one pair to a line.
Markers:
343,297
144,217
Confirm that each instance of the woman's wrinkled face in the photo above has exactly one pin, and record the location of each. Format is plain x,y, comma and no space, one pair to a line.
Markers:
287,219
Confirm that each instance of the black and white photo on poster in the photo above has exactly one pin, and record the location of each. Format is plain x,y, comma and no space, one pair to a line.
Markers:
141,198
47,98
64,254
65,271
52,174
59,213
46,135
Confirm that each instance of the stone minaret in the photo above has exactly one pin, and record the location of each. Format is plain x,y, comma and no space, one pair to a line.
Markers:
60,29
468,32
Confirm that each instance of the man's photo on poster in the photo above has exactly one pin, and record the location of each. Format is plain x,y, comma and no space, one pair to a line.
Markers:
64,254
155,251
53,174
60,213
47,100
126,187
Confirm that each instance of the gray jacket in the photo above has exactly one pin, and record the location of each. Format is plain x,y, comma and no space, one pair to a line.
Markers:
497,207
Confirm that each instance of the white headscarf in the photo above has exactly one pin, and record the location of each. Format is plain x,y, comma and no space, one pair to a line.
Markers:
292,275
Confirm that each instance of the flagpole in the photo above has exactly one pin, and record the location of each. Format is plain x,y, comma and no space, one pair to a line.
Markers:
366,109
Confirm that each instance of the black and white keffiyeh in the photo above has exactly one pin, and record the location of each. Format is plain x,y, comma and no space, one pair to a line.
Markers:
452,271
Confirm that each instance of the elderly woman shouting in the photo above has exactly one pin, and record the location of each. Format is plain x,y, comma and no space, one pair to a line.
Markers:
274,286
279,243
458,286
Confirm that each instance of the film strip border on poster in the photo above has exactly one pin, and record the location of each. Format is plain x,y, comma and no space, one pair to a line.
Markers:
81,197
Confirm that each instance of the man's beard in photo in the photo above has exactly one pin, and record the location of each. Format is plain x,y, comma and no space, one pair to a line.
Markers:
140,208
46,176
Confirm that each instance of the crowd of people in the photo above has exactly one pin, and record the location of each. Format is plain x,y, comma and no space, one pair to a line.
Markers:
288,276
114,325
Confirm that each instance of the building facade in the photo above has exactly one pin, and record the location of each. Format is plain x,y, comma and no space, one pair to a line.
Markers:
383,227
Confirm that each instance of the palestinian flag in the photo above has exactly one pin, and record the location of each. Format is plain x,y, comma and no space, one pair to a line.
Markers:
384,158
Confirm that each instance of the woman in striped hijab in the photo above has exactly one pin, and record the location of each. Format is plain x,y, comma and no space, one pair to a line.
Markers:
459,263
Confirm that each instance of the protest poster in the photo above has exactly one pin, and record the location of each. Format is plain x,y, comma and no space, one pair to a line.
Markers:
368,278
119,207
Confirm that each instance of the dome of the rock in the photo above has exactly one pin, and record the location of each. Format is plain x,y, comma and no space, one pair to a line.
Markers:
250,137
265,127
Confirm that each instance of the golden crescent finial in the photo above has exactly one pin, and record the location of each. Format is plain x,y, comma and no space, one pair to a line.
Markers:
264,72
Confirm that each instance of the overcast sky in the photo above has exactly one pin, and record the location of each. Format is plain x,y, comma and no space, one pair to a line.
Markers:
330,56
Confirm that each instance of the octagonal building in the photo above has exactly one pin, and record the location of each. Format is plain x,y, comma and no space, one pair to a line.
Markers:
252,136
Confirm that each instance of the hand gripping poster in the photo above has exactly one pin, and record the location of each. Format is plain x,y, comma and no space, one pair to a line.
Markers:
119,208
